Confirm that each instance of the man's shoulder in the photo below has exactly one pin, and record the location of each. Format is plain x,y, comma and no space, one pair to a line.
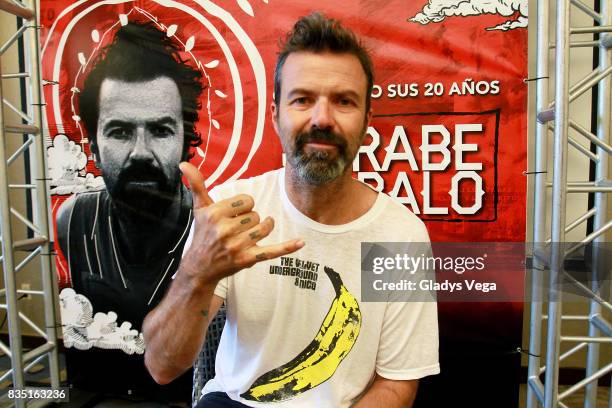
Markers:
252,185
81,206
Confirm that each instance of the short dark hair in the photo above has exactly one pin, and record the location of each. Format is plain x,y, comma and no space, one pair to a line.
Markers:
317,33
139,52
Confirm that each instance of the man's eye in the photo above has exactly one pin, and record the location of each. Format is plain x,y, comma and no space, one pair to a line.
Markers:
162,131
345,102
302,100
120,133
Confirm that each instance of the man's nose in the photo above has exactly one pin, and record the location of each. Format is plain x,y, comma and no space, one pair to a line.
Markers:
140,149
322,117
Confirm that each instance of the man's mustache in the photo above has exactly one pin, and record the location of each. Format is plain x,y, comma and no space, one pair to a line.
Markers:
141,172
319,135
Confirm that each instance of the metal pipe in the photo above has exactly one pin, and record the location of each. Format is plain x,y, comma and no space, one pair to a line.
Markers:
589,238
27,367
590,30
13,38
27,259
536,388
8,261
588,380
28,129
579,44
580,220
599,77
17,111
588,10
577,184
16,75
33,325
588,292
29,244
592,156
584,132
551,386
15,9
40,350
23,186
539,207
587,339
573,225
585,80
570,317
27,222
602,324
589,189
568,353
5,349
43,209
21,149
30,292
601,203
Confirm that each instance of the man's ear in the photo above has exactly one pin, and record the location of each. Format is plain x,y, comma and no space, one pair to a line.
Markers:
274,113
93,148
368,117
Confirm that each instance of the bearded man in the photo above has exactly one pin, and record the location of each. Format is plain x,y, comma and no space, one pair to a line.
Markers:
298,333
123,243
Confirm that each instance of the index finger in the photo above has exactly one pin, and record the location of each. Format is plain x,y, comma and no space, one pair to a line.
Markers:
196,184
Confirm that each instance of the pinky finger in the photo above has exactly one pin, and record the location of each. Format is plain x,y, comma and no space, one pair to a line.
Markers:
257,254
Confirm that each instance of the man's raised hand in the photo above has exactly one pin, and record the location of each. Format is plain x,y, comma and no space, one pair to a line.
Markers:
226,233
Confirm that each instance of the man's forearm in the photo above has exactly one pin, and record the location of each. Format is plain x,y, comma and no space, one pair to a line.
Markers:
389,393
175,330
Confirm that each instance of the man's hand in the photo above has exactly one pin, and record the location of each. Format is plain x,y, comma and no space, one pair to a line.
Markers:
224,241
226,234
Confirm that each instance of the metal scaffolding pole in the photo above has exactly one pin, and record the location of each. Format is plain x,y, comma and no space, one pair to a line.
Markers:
603,131
539,209
559,194
37,222
599,330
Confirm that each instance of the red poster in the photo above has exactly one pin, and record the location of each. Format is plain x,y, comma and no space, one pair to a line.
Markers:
448,139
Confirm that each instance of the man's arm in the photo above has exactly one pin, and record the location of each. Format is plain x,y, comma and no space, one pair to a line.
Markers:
224,242
389,394
175,330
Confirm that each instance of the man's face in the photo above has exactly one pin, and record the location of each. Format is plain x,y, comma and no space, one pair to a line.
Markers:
320,116
140,141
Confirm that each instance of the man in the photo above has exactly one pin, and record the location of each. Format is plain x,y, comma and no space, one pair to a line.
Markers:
296,333
123,243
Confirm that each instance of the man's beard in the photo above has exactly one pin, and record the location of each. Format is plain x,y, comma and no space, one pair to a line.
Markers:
144,188
319,167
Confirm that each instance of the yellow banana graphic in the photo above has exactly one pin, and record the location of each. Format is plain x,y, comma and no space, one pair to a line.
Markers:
320,359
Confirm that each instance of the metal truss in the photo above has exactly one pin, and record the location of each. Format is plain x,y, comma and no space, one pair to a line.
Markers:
557,116
36,248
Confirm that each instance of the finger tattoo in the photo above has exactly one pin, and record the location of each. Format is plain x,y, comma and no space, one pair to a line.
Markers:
204,313
245,220
254,235
261,257
237,203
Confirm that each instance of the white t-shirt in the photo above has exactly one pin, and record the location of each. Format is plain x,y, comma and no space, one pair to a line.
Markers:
276,310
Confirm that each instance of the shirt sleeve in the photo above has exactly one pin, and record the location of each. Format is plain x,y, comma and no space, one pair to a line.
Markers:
408,347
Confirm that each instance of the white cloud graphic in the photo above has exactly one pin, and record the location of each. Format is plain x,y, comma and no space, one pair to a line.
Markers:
82,331
437,10
66,160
